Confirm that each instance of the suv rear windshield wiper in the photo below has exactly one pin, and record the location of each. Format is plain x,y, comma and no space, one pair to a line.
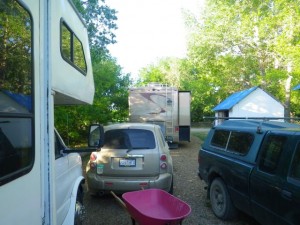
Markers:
134,148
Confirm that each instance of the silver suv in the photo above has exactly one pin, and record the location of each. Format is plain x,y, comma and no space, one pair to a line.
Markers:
134,156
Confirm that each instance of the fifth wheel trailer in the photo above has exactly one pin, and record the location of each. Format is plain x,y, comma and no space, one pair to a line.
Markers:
163,105
44,61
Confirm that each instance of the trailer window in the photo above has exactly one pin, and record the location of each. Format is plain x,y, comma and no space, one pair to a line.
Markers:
71,49
16,97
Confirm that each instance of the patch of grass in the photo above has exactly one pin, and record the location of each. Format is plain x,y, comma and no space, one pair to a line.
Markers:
200,135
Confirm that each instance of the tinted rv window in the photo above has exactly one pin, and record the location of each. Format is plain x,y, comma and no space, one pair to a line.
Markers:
71,49
16,97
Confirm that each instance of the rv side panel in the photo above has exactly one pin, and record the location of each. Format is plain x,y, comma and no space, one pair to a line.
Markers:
184,102
156,103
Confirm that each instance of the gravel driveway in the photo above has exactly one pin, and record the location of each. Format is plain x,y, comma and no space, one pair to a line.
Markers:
187,186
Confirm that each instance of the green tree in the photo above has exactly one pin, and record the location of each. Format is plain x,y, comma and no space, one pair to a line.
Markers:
234,45
15,47
110,103
101,23
165,71
239,44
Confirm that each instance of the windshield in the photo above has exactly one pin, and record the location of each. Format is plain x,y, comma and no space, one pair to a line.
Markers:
129,139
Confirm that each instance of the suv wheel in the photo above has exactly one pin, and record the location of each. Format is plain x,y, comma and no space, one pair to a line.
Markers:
220,200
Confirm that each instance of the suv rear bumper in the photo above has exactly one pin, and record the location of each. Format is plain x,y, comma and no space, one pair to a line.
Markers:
103,184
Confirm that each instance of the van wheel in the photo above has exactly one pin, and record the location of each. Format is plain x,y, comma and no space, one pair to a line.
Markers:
220,200
79,209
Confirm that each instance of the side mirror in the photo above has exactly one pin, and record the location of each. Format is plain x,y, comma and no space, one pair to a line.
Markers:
96,136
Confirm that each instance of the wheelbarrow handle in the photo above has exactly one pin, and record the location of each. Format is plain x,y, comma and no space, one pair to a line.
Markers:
123,205
119,200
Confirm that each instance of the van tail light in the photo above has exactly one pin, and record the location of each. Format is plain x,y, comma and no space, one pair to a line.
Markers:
93,158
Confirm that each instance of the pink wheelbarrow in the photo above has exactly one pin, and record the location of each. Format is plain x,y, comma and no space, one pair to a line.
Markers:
154,207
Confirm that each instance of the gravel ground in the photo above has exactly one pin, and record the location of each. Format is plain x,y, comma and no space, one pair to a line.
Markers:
187,186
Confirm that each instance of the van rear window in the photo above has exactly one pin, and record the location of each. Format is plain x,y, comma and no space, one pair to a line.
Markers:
232,141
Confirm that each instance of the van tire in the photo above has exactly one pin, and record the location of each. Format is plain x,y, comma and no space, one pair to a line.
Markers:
171,191
220,200
79,209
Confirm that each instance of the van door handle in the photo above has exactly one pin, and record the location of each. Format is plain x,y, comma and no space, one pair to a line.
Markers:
286,194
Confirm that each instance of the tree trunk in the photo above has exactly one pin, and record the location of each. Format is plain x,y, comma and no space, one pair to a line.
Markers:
287,104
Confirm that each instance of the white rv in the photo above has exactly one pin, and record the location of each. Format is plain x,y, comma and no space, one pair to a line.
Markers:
44,60
163,105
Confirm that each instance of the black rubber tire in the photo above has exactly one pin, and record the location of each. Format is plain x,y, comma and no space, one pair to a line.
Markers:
79,209
171,191
221,203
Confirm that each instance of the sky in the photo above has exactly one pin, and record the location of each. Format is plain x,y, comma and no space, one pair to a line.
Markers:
149,30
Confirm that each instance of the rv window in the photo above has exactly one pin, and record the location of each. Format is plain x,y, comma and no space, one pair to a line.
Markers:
71,49
16,85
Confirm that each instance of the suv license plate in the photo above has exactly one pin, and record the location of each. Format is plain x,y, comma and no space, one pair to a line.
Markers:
127,163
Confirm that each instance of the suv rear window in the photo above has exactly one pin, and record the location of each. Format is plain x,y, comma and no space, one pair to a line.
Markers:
129,139
233,141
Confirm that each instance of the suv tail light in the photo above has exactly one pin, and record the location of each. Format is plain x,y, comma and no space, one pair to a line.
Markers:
163,164
163,157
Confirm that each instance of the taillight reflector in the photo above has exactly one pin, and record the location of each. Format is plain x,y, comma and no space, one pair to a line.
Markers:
163,157
163,165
